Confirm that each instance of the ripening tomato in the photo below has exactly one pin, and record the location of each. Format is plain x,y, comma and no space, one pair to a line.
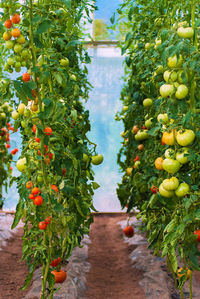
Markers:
60,276
137,158
140,147
15,32
26,77
129,170
129,231
29,185
38,200
35,190
48,131
55,188
16,19
39,153
158,163
7,36
135,129
8,24
169,137
42,225
179,274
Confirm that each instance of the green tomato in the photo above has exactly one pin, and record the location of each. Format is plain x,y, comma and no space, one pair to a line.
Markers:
167,90
147,102
125,108
21,40
15,115
39,178
25,53
185,137
141,135
170,76
187,32
163,118
23,124
172,61
148,123
21,165
17,64
64,62
171,184
137,164
96,160
147,46
21,108
10,61
171,165
182,156
164,192
159,69
169,153
17,48
182,190
2,115
180,80
24,63
182,92
10,44
72,77
27,113
85,158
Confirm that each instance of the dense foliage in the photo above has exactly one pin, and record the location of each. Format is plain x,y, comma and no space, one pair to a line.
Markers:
161,126
43,40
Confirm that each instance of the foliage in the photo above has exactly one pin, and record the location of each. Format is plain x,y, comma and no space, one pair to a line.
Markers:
153,37
56,182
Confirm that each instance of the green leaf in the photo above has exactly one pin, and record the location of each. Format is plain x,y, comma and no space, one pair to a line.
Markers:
43,27
18,213
95,185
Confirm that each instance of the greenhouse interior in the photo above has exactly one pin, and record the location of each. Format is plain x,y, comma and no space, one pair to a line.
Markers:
99,149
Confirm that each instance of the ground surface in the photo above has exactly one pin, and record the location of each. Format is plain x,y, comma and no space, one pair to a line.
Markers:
111,275
12,271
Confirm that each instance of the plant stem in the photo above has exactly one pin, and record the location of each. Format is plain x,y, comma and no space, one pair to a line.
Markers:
181,293
190,285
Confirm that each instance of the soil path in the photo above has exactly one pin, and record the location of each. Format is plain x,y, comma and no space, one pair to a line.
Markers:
111,275
12,271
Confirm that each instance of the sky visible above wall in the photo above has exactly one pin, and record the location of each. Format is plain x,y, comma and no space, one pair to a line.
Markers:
106,8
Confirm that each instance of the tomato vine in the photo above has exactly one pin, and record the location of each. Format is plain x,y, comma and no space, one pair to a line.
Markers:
161,127
45,42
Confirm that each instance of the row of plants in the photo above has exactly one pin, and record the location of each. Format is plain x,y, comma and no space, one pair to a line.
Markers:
43,42
160,148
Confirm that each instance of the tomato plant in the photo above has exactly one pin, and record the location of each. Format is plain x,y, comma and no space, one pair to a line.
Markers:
56,182
162,64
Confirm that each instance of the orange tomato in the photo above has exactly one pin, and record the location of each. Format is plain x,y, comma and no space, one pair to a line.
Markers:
158,163
26,77
60,276
15,32
169,137
7,36
29,185
48,131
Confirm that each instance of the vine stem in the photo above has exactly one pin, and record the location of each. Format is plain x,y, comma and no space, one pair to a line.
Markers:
181,293
190,285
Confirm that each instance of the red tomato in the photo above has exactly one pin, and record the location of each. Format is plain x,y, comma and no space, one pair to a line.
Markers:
55,188
50,155
34,129
31,196
37,139
38,200
7,145
26,77
16,19
48,131
137,158
64,171
197,232
39,153
48,220
59,260
35,190
42,225
129,231
8,24
154,189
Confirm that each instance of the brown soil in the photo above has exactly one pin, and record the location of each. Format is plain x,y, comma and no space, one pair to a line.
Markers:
111,275
12,271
